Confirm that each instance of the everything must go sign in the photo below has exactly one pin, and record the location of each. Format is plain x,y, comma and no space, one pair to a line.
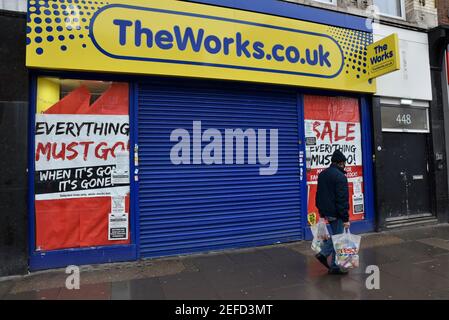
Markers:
78,157
81,176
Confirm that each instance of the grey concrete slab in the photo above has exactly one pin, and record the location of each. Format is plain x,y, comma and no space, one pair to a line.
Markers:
296,265
280,255
437,265
409,251
40,281
438,231
270,276
213,263
251,293
336,287
436,242
137,289
188,286
231,279
391,288
416,276
439,295
374,240
45,294
5,287
99,291
250,258
121,290
300,292
27,295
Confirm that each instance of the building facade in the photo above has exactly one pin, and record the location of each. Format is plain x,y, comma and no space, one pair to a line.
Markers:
409,157
194,126
177,127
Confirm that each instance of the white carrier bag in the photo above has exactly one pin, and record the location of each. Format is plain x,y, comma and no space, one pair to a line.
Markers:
347,248
320,234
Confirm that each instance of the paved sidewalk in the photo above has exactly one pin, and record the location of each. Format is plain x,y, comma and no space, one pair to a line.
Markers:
414,264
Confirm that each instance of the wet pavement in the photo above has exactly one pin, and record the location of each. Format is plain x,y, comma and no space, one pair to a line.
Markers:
413,264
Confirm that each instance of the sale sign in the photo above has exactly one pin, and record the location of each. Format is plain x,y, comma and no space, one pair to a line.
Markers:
333,123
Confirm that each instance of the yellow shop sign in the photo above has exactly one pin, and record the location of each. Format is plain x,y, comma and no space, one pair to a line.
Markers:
384,56
185,39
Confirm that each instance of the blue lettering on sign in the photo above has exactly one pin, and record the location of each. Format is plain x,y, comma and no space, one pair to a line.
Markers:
133,32
381,54
123,24
164,39
188,37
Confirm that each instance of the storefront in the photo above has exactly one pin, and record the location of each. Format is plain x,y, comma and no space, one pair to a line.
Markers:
402,130
171,127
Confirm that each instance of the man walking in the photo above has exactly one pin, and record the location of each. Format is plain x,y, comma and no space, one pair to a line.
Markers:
332,201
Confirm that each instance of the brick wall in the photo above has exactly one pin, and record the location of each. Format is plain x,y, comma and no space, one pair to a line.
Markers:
443,11
419,13
423,13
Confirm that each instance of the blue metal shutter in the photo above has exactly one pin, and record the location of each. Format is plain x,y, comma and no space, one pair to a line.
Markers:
197,208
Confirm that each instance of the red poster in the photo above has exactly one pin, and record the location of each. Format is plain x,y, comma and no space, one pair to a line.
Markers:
334,123
79,141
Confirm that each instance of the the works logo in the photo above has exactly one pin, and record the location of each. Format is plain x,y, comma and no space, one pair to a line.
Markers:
188,38
234,147
383,53
181,39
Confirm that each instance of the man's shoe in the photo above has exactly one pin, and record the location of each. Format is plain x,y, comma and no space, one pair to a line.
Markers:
337,272
322,259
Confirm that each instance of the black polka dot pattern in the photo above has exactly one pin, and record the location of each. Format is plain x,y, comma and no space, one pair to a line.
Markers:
354,45
60,23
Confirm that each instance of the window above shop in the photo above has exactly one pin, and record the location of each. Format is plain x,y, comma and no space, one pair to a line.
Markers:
391,8
13,5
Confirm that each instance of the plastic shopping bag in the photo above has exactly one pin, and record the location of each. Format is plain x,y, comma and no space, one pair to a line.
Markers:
346,247
320,234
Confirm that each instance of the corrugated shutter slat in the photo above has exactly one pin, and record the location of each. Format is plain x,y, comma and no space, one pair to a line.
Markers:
194,208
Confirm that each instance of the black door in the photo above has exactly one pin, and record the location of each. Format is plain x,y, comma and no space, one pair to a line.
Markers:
406,180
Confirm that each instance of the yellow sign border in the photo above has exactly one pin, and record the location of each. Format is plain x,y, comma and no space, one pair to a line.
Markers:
72,48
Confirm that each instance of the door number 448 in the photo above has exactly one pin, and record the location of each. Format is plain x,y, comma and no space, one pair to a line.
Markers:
404,119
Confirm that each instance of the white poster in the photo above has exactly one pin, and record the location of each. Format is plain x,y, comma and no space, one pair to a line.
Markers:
79,155
118,226
324,137
118,204
358,186
120,174
358,203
